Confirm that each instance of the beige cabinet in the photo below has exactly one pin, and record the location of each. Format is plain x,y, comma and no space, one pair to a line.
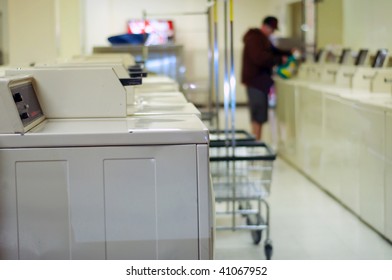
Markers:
287,119
388,177
309,128
371,166
340,154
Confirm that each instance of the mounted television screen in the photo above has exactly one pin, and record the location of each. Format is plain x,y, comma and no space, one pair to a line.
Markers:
345,56
158,31
380,58
361,57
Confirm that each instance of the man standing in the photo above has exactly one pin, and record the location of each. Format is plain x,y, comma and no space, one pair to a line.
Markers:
258,58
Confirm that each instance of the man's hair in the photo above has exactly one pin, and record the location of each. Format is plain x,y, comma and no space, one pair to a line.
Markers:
271,22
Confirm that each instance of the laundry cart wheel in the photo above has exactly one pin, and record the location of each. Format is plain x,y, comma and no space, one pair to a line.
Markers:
268,249
255,220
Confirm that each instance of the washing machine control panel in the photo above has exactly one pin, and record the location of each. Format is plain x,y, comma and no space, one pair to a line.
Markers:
20,108
26,103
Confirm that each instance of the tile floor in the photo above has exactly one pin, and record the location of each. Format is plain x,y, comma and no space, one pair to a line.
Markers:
306,223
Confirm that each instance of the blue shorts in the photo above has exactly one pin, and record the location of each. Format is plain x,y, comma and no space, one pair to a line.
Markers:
258,105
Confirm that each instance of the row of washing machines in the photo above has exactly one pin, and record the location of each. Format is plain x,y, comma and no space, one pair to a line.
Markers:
335,124
98,161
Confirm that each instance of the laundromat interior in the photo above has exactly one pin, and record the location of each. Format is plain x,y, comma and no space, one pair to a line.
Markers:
125,131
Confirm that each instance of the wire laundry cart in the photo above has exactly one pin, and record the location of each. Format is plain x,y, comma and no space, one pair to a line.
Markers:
241,168
241,176
222,137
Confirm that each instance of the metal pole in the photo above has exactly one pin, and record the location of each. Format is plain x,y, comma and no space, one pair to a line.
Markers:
226,83
216,65
232,103
232,76
210,62
227,91
145,48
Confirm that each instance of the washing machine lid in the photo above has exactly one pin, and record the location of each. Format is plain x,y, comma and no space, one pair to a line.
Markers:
158,80
163,109
157,84
379,102
149,130
163,98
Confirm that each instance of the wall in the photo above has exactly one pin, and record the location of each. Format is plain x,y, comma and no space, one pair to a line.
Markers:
42,30
366,24
69,22
329,23
4,55
32,32
355,23
279,8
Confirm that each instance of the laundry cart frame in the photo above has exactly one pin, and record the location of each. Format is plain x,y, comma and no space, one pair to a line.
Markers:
219,137
242,175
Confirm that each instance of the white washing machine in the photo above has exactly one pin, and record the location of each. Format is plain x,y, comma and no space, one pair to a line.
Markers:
101,188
